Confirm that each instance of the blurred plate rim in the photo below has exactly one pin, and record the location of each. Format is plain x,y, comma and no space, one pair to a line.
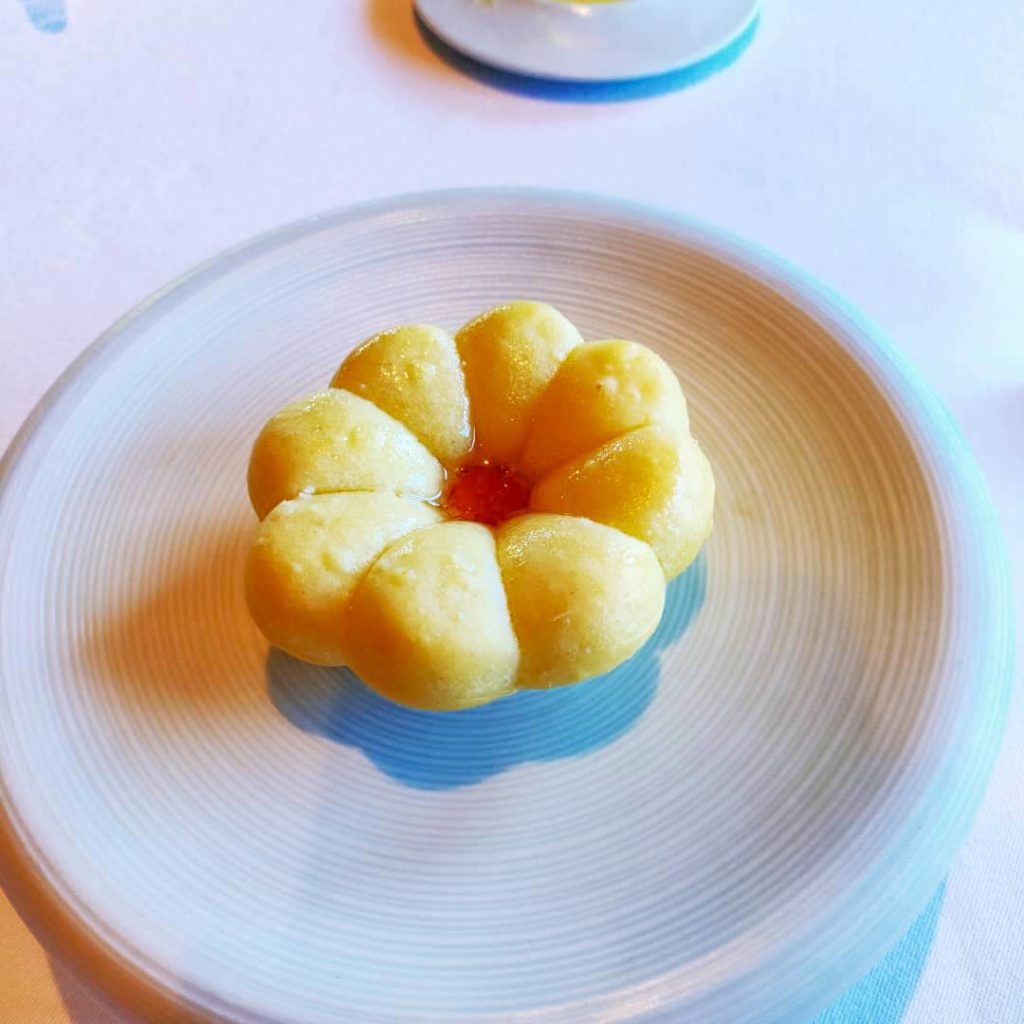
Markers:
456,27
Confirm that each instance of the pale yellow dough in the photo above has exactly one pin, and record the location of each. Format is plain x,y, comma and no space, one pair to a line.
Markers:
307,557
510,355
603,389
429,622
583,597
336,441
414,374
648,483
357,562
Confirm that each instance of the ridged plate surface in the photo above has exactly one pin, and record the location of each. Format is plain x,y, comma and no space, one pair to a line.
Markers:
729,828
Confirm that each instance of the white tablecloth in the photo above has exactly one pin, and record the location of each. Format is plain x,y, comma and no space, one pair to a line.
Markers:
879,144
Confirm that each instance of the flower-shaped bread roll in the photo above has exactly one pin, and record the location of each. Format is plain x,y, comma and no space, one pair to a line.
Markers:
459,517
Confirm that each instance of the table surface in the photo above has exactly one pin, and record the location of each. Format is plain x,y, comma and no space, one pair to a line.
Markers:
879,145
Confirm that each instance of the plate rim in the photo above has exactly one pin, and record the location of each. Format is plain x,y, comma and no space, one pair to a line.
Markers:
78,940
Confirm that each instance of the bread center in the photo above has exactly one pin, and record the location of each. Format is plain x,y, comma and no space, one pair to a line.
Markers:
487,494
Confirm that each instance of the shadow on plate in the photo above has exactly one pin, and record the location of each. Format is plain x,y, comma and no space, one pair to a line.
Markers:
883,995
49,16
80,1004
429,750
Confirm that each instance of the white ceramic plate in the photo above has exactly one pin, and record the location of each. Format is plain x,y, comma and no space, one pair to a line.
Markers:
730,828
589,42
